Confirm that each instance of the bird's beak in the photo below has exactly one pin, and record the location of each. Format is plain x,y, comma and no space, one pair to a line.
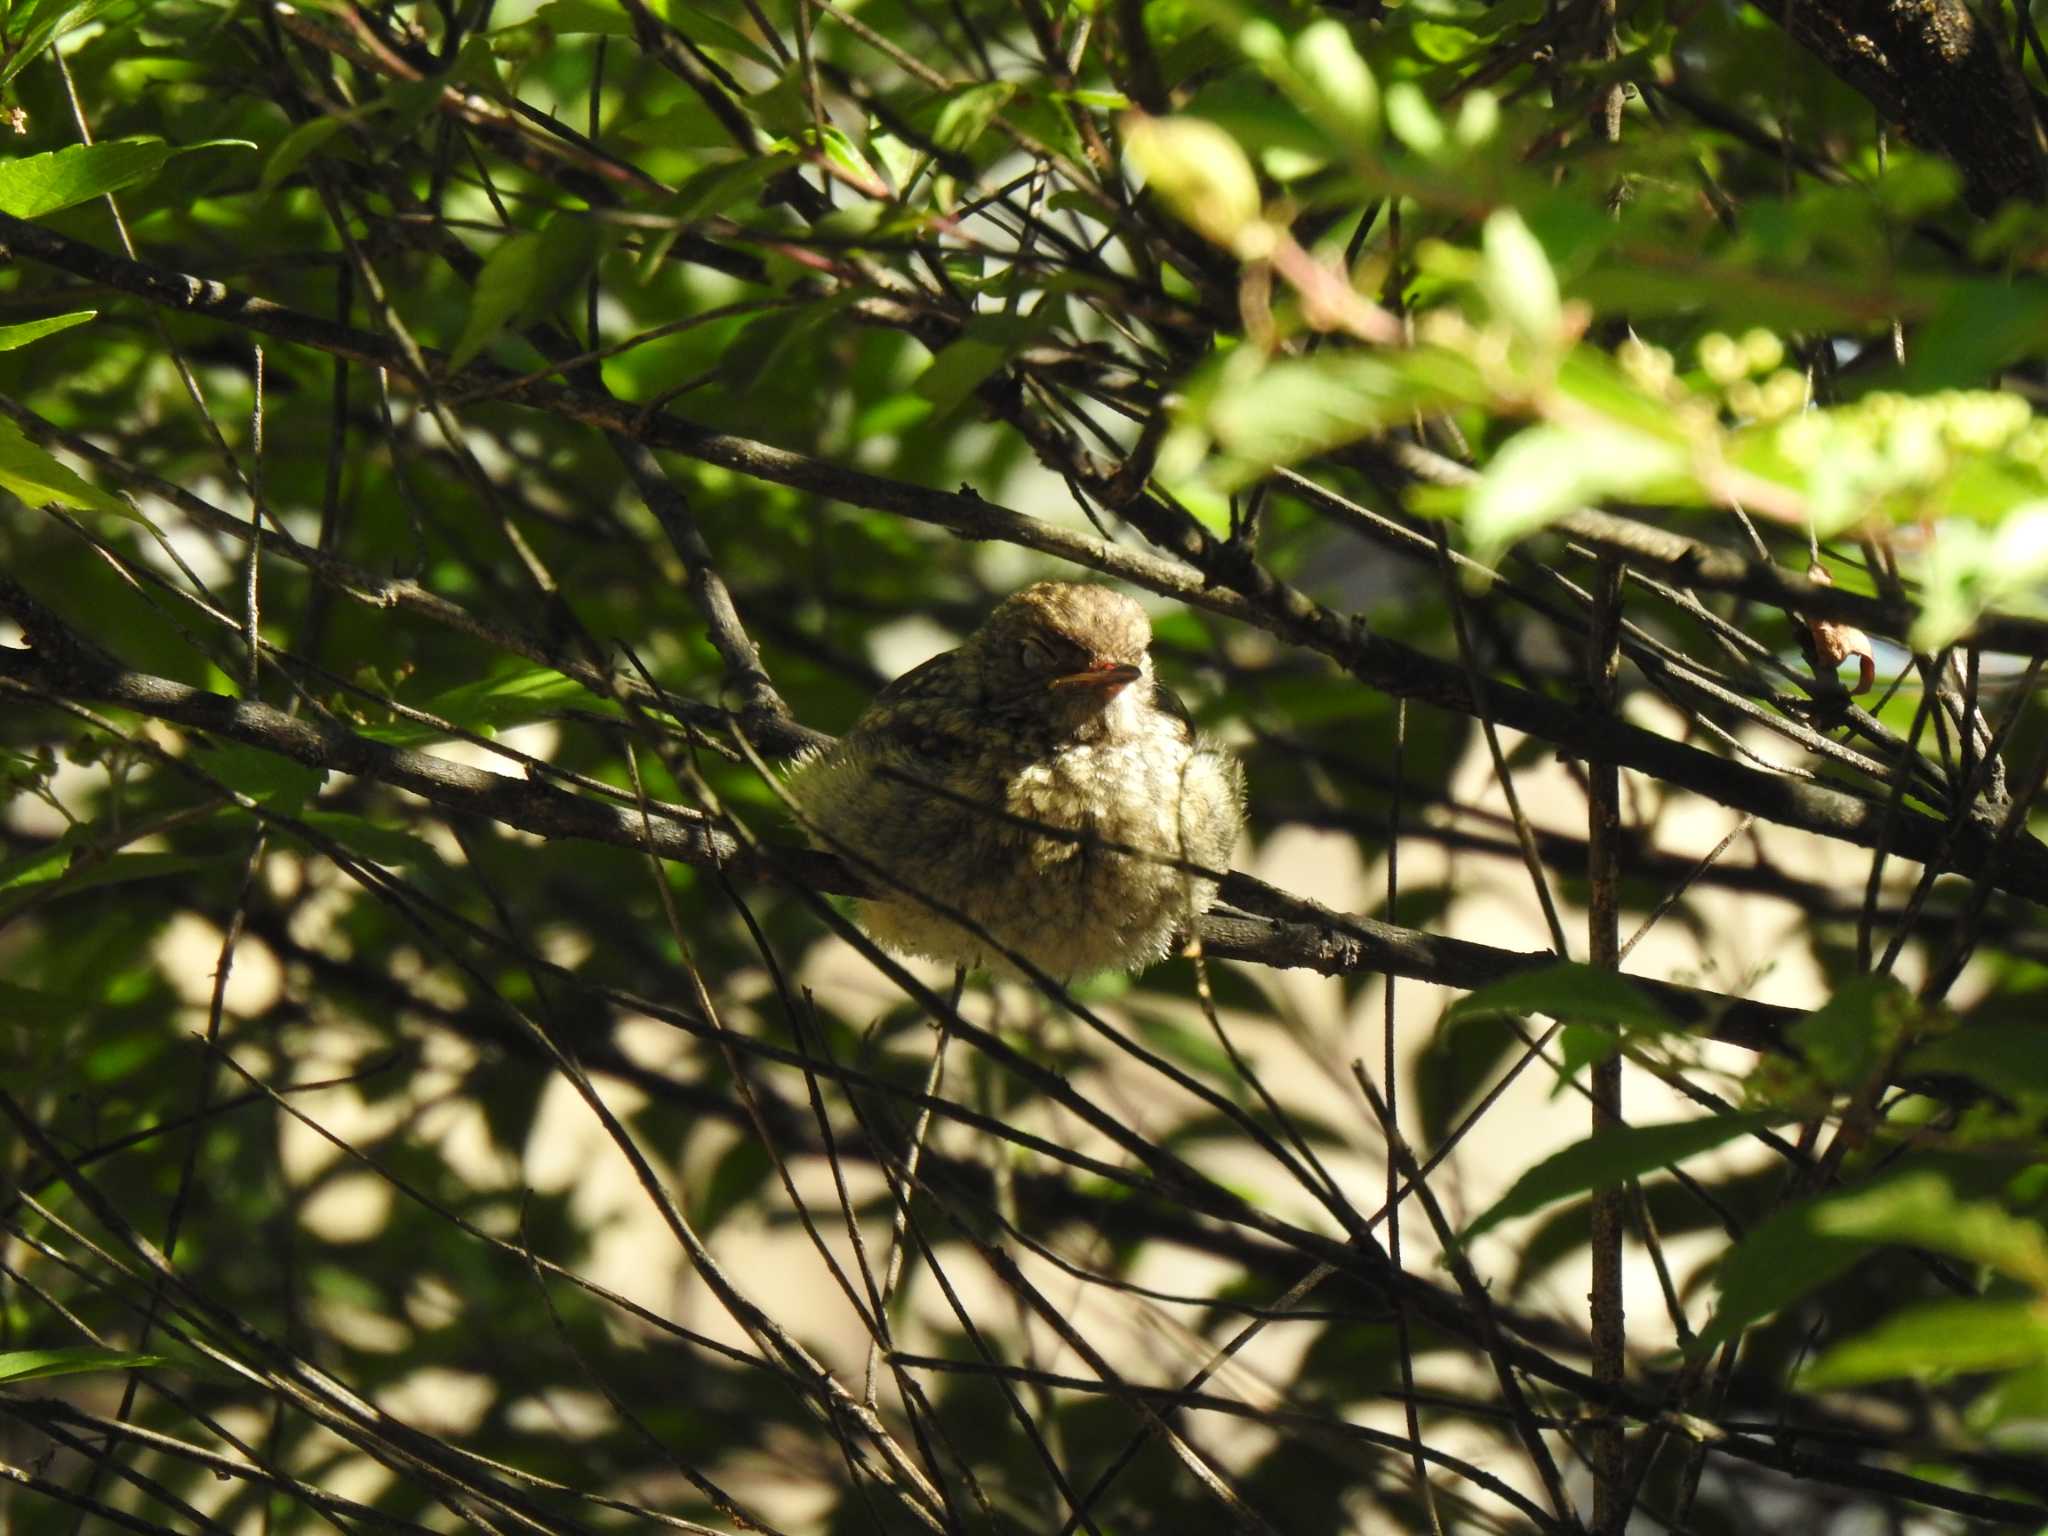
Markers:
1108,677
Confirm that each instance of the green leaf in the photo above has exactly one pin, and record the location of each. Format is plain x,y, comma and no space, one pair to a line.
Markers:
1969,569
2006,1058
1516,277
54,867
263,776
695,21
12,336
1199,171
1780,1260
35,185
525,277
1922,1209
1580,1046
687,124
967,113
1336,84
2018,1399
37,1364
504,288
718,187
1547,471
1191,1048
739,1171
31,26
958,371
370,842
39,479
1298,407
1569,993
519,695
575,17
1413,120
1609,1157
295,148
1462,1058
1937,1340
1852,1035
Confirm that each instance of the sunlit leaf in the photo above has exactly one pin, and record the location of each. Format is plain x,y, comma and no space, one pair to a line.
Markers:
19,1365
1935,1341
36,185
1924,1210
12,336
1547,471
39,479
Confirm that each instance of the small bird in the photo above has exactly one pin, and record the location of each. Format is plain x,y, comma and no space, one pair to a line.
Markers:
1046,718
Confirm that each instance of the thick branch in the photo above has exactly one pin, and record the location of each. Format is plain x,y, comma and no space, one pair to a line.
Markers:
1936,70
1282,930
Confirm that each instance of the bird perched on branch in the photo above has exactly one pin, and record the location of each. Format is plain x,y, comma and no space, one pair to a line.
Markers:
1037,783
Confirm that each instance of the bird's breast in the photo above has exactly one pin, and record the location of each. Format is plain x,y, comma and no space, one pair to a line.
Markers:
1112,791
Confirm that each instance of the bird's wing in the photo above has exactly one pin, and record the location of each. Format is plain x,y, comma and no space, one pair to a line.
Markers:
921,681
1167,702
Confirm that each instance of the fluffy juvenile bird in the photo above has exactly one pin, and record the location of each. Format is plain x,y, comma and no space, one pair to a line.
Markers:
1047,717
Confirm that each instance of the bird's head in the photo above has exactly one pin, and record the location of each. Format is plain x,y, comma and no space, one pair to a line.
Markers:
1064,653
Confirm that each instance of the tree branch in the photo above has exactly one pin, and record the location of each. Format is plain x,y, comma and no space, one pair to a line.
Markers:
1216,575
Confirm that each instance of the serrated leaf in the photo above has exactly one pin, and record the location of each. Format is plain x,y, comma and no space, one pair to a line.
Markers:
12,336
1777,1262
1607,1158
1923,1210
1936,1340
39,479
35,185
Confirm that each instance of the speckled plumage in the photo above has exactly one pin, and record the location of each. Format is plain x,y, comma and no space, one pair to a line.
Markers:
1049,713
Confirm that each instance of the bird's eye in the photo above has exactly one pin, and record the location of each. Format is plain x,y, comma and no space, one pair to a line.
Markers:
1036,653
